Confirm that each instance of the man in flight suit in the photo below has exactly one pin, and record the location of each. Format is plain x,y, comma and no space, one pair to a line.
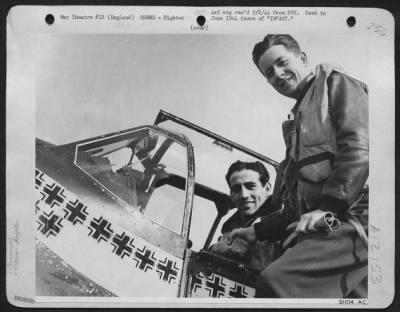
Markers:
324,178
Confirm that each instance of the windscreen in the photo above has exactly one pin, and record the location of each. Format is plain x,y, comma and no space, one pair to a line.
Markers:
132,167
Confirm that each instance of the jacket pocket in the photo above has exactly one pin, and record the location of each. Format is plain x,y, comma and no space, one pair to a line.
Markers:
316,168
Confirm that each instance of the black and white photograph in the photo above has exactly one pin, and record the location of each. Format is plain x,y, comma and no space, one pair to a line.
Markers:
200,157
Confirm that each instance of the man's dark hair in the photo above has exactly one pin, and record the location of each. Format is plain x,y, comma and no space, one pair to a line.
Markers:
270,40
255,166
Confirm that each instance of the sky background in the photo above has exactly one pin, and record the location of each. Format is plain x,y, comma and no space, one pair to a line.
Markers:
88,85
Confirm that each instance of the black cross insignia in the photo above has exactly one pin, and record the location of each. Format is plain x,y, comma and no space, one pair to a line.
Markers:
75,212
167,270
38,178
49,224
54,195
37,206
238,291
197,281
122,245
144,259
215,286
101,229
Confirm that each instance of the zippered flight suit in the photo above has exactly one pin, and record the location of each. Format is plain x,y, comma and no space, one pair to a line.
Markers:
326,168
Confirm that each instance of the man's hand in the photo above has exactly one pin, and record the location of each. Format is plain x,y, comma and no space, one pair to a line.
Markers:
310,222
248,234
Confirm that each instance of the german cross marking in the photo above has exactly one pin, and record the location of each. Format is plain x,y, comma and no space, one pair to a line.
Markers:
197,281
167,270
144,259
75,212
215,286
123,245
100,229
238,292
49,224
53,195
38,179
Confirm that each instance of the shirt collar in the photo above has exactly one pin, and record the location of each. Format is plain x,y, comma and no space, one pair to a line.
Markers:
303,87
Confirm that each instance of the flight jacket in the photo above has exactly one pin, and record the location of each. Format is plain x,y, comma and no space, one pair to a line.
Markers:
327,150
262,253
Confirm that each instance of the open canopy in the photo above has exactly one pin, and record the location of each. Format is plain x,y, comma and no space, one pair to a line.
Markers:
213,153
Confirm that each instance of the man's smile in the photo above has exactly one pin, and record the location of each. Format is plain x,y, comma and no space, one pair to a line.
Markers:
284,82
247,202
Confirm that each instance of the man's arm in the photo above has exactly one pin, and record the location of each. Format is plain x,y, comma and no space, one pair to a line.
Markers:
348,102
272,227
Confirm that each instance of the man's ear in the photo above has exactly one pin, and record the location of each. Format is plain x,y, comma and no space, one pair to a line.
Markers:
304,58
267,188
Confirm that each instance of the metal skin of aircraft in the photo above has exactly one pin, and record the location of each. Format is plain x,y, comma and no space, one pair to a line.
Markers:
114,214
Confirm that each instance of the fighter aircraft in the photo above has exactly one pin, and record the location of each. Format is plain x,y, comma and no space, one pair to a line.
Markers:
133,214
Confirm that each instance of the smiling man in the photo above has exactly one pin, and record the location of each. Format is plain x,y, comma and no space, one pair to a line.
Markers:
250,191
324,179
249,188
286,69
